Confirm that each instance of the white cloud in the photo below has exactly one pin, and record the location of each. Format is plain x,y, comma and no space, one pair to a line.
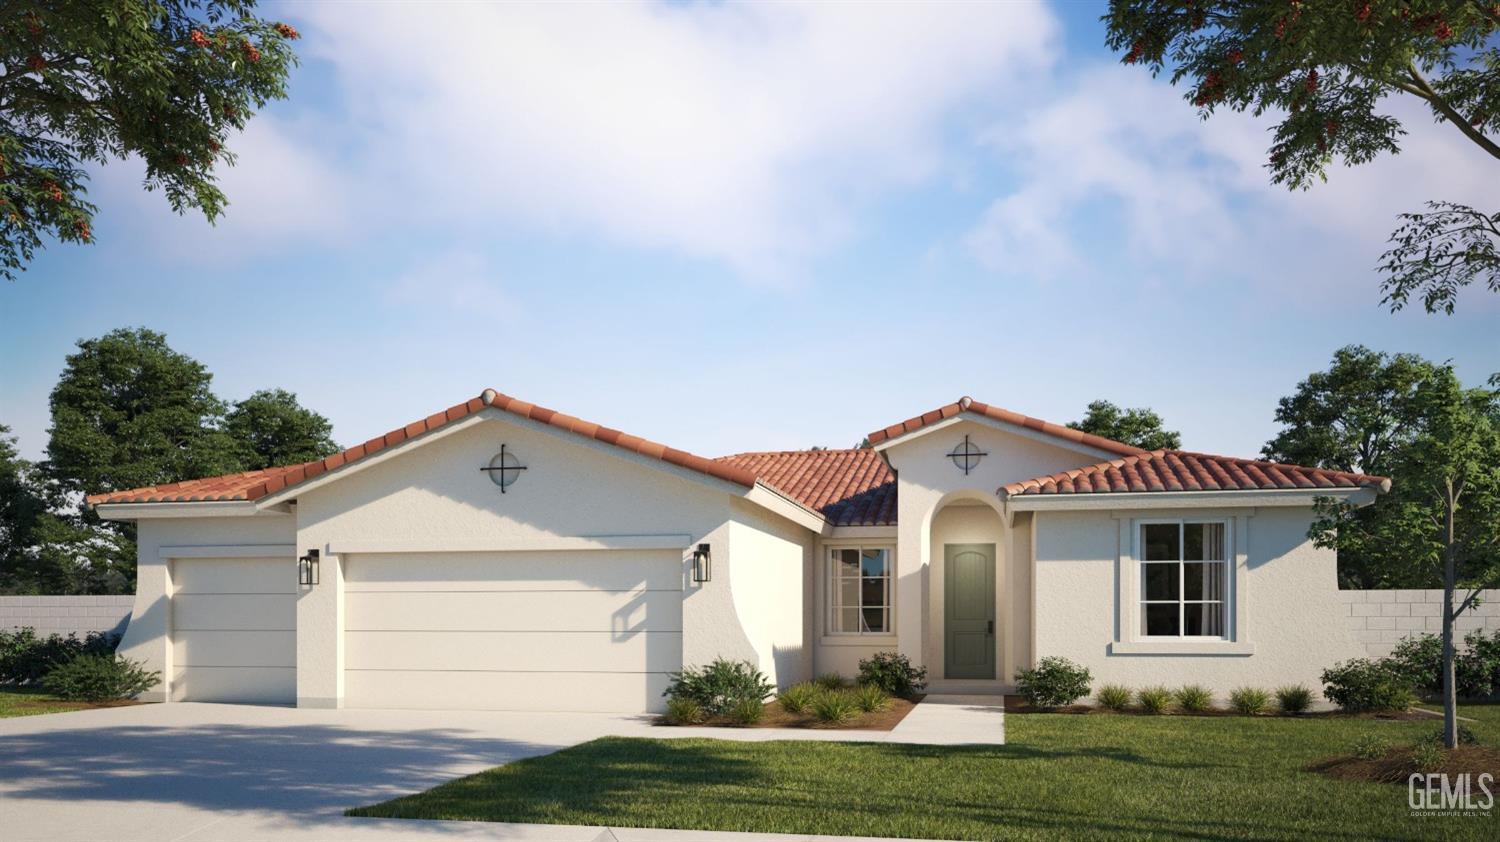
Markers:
748,133
460,281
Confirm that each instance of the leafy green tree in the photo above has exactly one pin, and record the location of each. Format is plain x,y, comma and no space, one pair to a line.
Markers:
1352,417
273,429
20,506
164,80
1326,69
129,411
1139,427
1444,513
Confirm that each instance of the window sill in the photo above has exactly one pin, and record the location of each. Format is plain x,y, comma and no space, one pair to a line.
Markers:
882,640
1181,647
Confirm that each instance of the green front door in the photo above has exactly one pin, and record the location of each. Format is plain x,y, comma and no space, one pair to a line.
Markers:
969,610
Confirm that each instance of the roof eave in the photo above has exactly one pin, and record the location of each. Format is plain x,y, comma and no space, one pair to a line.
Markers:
1253,497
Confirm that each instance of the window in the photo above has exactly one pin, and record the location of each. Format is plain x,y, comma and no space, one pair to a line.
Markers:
1183,570
859,587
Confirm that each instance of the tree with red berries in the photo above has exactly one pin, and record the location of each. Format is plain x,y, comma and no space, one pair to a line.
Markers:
81,83
1326,69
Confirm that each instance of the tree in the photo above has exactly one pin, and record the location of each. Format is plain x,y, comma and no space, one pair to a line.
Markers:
129,411
1325,69
272,429
164,80
1444,515
20,506
1138,427
1352,418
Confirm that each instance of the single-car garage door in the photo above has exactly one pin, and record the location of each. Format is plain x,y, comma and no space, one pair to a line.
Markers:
234,630
591,630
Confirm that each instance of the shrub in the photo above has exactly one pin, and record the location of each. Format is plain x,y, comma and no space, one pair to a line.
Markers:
1428,757
1249,700
684,711
1154,700
797,698
870,698
893,673
720,686
99,678
1194,698
1361,684
1114,696
747,711
1293,698
1420,660
1371,747
26,658
1054,682
835,707
830,681
1465,736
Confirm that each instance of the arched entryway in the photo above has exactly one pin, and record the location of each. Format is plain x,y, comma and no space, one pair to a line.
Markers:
967,636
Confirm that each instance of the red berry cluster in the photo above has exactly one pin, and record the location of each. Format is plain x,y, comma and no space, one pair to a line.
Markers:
1442,31
81,226
1364,12
252,55
200,40
36,62
1137,50
1212,89
286,31
182,159
1235,56
52,190
1312,81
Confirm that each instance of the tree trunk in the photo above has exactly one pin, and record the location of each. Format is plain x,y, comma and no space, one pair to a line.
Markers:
1450,581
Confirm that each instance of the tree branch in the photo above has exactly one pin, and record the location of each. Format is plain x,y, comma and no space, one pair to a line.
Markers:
1448,111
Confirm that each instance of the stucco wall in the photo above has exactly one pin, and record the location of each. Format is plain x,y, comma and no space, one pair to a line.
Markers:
65,615
769,560
1379,619
1292,619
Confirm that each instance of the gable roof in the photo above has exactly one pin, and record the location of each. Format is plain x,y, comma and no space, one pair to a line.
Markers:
253,485
1181,470
847,487
968,404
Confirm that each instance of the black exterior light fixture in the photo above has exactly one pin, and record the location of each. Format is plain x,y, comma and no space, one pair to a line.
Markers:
703,564
307,569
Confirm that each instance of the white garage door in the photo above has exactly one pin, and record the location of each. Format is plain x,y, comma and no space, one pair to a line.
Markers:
568,631
234,635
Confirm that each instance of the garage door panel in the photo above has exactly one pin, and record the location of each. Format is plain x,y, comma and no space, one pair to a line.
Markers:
616,570
552,691
230,612
235,575
234,648
244,685
514,651
562,611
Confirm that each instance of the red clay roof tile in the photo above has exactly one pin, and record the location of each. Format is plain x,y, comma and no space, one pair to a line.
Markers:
848,487
1180,470
968,404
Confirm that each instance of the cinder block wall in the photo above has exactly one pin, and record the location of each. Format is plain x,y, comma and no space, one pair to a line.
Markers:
66,614
1379,619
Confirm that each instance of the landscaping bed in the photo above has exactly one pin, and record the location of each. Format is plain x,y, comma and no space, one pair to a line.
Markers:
1395,767
775,716
1018,704
30,701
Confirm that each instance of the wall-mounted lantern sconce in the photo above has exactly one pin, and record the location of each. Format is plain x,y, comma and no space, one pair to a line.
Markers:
703,564
307,569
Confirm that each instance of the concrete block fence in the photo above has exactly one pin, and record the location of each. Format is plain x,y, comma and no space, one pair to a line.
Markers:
66,614
1380,619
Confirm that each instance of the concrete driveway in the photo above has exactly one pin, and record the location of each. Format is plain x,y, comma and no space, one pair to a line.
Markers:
231,772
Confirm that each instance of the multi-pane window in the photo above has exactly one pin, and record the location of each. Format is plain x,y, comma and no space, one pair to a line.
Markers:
1183,570
860,590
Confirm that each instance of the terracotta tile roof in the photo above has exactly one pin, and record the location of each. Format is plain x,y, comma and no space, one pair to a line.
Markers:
1180,470
968,404
849,487
252,485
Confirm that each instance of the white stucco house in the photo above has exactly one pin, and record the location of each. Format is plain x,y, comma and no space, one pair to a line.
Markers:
498,555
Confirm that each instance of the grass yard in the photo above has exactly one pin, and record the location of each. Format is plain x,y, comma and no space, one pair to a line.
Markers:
1060,776
29,701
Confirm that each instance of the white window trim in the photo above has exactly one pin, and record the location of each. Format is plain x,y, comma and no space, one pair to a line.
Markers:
1226,616
830,608
1128,639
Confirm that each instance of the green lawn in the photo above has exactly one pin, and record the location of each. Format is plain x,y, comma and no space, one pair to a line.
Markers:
27,701
1060,776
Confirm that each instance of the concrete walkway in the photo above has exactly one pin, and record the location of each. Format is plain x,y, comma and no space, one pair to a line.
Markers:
231,772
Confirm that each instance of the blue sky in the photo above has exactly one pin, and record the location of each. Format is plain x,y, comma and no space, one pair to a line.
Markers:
733,227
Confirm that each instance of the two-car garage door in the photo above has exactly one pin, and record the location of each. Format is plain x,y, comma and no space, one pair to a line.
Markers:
594,630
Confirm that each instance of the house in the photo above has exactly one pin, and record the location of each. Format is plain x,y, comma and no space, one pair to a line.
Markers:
499,555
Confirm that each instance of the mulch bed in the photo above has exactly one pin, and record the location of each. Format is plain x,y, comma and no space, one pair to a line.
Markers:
777,717
1396,768
1018,704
